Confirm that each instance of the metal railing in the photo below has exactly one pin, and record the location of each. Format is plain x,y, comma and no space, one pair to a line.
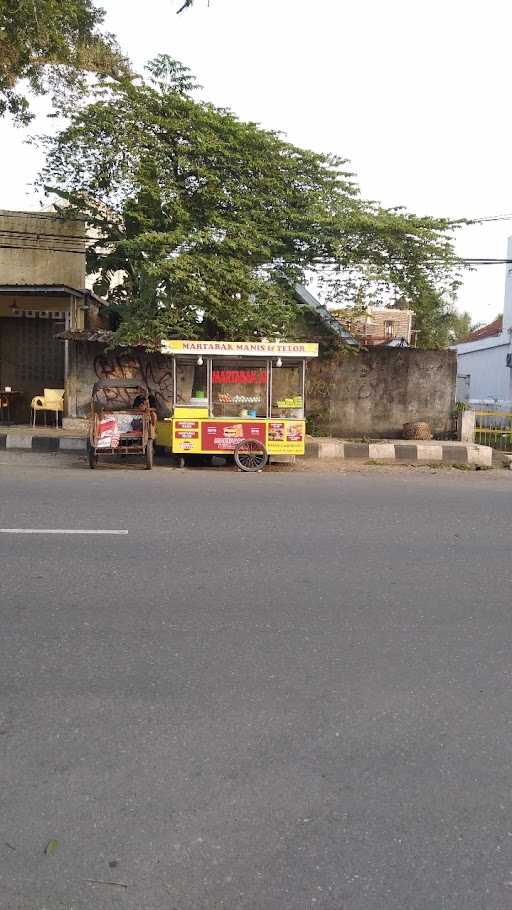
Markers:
494,428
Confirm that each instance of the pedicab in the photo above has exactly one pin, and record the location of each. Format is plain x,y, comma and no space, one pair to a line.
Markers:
122,420
240,399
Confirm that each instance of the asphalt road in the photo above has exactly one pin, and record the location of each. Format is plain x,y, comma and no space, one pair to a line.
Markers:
276,692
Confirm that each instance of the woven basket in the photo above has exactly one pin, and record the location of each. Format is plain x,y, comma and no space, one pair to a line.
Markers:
417,430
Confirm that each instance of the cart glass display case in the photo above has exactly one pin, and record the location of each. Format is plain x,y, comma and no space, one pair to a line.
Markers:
288,391
191,384
239,388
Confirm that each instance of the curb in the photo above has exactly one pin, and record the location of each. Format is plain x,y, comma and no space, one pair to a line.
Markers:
443,452
43,444
396,450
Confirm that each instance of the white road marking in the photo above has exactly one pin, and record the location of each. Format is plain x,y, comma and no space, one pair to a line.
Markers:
54,531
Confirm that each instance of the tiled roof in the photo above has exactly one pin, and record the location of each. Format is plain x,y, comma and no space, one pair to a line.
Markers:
487,331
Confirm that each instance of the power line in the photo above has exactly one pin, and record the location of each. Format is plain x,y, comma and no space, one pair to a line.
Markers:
46,249
46,234
51,249
486,261
506,217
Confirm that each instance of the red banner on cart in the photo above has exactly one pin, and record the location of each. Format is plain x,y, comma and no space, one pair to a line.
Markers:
224,436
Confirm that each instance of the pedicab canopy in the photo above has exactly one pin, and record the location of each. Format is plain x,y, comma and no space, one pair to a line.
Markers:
229,391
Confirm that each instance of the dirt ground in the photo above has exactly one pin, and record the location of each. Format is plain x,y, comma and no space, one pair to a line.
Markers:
339,465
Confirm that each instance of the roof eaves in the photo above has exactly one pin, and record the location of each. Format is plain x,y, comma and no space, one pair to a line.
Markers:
61,290
329,321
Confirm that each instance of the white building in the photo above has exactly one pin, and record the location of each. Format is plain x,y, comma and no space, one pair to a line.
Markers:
484,361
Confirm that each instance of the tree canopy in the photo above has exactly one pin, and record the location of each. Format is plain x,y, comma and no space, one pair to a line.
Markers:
204,223
462,325
38,36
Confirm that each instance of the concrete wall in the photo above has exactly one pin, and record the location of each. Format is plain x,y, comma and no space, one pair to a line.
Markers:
368,394
375,392
90,362
41,248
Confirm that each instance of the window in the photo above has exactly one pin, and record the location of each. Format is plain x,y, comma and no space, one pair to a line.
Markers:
389,328
191,384
287,391
239,388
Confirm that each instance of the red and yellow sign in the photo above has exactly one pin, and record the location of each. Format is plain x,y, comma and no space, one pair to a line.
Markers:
224,435
185,436
285,437
196,437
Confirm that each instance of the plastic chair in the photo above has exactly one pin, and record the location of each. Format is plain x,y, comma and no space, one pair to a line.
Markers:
52,400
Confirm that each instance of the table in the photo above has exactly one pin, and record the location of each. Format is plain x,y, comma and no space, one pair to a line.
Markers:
6,396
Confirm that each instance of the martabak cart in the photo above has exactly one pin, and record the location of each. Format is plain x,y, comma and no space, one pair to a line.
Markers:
244,399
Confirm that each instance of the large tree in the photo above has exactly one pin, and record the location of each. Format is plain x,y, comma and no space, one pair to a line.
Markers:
41,39
205,222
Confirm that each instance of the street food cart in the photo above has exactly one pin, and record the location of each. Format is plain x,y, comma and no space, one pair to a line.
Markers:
121,428
244,399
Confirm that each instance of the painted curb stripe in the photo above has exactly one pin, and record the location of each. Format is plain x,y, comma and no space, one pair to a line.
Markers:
54,531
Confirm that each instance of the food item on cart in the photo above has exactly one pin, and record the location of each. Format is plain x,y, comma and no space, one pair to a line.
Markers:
234,429
295,432
276,432
246,399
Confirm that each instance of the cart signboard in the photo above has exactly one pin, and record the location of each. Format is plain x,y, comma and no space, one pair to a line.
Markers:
210,437
297,349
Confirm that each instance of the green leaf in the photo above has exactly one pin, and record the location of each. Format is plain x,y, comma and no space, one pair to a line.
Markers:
52,846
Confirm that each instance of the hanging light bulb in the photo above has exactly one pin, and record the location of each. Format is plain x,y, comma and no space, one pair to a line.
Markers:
199,361
279,362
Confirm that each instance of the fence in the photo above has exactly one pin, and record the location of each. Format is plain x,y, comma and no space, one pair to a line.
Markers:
494,428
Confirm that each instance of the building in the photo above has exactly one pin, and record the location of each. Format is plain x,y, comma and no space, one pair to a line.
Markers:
484,359
42,292
380,326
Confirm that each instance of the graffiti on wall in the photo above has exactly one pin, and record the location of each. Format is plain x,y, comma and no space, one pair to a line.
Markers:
154,370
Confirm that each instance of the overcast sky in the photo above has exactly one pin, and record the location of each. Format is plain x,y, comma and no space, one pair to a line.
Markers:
416,93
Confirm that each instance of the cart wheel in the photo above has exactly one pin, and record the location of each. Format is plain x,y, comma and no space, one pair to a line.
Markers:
93,458
149,455
250,455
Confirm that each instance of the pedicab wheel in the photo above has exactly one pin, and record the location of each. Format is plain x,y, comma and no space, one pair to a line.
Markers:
250,455
149,455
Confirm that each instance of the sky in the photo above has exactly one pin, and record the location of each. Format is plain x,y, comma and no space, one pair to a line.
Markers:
415,93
